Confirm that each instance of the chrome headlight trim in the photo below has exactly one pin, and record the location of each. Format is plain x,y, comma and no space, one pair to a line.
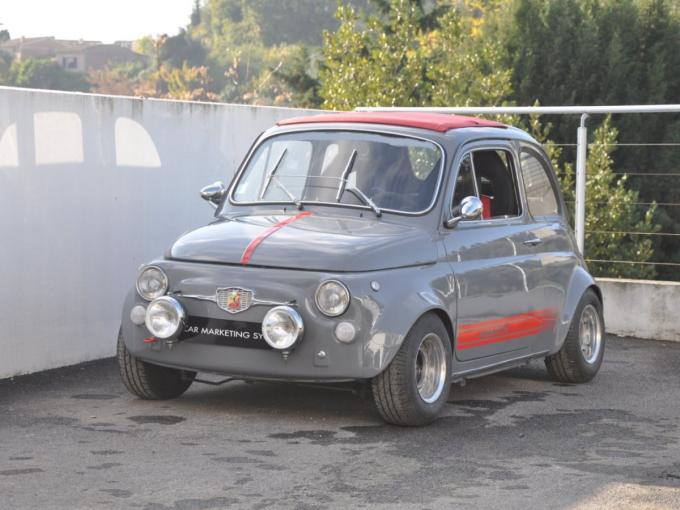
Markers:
298,326
320,289
157,294
174,307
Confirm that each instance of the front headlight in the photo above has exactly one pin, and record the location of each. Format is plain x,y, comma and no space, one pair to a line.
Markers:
282,327
332,298
164,317
152,283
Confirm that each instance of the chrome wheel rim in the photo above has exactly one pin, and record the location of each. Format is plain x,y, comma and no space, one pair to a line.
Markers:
430,368
590,334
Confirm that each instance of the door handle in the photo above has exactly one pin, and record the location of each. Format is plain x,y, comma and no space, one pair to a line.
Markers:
535,241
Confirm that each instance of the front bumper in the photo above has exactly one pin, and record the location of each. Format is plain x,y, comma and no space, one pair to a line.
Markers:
318,356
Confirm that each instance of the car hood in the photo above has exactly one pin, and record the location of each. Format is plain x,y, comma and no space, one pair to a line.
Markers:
307,241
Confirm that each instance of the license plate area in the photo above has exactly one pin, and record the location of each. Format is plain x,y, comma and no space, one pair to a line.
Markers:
228,333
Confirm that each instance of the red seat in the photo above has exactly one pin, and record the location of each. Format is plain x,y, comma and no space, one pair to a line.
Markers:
486,202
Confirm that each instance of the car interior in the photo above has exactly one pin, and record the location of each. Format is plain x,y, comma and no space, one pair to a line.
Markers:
489,175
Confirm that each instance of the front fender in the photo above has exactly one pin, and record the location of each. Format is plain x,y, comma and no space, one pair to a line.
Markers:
580,281
404,296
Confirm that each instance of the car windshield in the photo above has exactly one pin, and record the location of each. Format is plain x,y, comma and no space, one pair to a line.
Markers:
377,171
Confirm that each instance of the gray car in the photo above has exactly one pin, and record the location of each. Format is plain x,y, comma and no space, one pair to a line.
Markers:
406,251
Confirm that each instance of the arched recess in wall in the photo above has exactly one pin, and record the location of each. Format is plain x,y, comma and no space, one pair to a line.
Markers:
134,145
58,138
9,147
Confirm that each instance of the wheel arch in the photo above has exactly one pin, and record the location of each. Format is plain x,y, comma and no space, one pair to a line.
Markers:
446,320
581,281
408,295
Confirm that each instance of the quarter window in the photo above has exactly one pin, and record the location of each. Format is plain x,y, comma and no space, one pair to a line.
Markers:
489,175
465,182
541,197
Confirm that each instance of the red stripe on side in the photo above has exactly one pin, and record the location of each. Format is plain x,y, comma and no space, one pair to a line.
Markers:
505,329
250,249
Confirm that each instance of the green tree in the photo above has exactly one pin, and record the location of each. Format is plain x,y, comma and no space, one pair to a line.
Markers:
566,52
181,49
379,61
614,220
299,79
611,210
406,55
5,64
45,74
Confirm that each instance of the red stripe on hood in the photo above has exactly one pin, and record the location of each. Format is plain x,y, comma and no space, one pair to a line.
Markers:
252,246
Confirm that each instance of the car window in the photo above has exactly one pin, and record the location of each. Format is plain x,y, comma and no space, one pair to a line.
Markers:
465,182
394,172
489,175
541,197
496,183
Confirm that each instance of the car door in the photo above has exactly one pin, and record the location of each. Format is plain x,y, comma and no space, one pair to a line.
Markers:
493,259
555,243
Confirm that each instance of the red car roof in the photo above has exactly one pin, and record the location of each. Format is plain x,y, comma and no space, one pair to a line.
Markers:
433,121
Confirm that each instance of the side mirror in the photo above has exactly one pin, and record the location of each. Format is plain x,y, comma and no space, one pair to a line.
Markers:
470,208
214,193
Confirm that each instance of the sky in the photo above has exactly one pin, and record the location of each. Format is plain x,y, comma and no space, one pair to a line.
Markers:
100,20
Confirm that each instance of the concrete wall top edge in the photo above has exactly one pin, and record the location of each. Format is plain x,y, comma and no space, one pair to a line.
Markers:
152,99
628,281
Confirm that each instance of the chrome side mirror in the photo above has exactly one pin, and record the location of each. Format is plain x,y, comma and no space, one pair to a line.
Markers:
214,193
470,208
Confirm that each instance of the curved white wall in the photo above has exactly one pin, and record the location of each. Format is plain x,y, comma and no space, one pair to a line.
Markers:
90,187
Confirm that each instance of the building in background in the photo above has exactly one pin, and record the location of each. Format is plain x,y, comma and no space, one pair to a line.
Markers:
72,55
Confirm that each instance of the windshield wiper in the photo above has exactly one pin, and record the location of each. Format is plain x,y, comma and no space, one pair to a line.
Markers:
345,174
344,183
362,196
270,175
292,197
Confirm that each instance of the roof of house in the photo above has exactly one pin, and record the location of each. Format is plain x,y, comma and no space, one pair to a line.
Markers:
433,121
49,43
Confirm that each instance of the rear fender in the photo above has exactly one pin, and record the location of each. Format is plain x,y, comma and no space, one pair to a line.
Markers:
579,283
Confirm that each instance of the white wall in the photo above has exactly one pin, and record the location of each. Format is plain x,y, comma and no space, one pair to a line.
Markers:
642,308
91,187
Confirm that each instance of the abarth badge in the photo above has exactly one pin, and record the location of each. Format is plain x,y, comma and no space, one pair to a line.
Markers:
234,299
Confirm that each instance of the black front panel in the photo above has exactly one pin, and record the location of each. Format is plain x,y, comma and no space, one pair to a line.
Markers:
203,330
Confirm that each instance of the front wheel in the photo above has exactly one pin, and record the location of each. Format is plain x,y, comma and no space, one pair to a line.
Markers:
581,355
413,389
149,381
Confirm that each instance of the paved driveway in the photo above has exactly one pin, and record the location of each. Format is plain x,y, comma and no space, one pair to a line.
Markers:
73,438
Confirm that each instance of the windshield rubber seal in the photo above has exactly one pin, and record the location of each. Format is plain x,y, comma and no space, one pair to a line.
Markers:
263,139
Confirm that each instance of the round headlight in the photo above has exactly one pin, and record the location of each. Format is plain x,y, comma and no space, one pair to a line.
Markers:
164,317
282,327
152,283
332,298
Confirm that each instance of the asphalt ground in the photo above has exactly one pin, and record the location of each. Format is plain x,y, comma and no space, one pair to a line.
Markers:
74,438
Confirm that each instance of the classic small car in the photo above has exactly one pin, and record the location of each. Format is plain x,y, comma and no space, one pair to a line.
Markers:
406,251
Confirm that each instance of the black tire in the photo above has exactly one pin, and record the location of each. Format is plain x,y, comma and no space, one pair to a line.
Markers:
149,381
569,364
395,390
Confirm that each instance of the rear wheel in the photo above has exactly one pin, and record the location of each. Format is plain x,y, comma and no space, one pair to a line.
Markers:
413,389
149,381
581,355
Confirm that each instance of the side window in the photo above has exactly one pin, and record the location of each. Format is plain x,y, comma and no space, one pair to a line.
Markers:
496,183
465,182
541,196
